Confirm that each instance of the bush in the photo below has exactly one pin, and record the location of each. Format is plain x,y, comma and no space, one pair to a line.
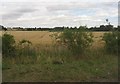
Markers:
25,48
112,41
8,45
75,40
22,42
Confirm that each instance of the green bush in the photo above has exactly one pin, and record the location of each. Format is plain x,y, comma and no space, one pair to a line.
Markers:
8,45
22,42
112,41
25,48
75,40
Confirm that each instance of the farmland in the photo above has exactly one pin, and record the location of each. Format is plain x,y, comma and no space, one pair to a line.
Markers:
43,37
94,65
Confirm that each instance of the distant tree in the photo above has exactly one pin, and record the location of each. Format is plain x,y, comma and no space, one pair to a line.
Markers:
3,28
106,20
102,26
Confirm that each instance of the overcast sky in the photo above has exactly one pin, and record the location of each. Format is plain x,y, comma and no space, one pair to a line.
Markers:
51,13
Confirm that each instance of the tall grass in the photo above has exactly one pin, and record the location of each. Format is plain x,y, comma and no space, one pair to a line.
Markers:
26,53
37,63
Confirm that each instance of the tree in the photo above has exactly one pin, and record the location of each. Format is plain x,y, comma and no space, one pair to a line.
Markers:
112,41
3,28
75,40
8,45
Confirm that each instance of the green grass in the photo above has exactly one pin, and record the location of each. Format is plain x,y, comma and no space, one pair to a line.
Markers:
94,65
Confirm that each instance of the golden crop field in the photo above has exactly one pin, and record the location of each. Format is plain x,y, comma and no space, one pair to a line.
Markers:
43,37
36,37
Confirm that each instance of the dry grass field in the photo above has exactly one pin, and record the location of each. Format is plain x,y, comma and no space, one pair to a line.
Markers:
36,37
43,37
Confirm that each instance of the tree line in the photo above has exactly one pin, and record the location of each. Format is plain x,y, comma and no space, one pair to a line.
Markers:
108,27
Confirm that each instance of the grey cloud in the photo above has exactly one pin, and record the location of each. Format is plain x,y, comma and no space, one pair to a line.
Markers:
83,5
27,10
59,7
17,13
64,6
11,16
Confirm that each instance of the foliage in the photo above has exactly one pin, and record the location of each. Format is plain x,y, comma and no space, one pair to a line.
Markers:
25,48
96,67
25,42
8,45
112,41
75,40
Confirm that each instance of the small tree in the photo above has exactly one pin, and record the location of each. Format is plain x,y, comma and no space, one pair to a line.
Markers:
112,41
8,45
75,40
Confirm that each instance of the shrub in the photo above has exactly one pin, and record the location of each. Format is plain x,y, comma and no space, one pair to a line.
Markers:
8,45
112,41
75,40
25,48
25,43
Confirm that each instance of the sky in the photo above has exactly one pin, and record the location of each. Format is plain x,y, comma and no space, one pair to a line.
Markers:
52,13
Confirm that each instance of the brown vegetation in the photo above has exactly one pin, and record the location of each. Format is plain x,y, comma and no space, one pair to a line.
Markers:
43,37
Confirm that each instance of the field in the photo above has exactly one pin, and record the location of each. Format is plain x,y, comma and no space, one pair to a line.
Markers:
94,65
43,37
